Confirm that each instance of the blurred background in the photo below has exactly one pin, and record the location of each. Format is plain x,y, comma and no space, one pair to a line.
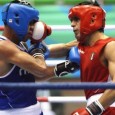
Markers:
55,12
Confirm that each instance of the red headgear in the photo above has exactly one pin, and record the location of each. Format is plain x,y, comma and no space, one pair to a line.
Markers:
91,18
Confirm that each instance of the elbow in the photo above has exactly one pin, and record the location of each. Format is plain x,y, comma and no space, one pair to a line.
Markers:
44,68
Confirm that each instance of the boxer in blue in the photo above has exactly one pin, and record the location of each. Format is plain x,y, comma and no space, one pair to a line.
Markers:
17,63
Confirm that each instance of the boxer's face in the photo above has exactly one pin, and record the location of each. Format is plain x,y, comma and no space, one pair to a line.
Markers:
75,23
30,30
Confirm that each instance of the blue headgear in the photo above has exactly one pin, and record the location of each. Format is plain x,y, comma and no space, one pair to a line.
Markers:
18,16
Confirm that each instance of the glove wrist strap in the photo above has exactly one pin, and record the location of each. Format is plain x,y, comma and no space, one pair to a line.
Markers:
95,108
37,52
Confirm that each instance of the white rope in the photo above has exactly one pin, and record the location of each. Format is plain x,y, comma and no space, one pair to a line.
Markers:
63,99
68,27
110,27
61,27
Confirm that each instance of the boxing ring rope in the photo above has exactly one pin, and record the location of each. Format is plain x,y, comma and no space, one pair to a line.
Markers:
62,99
59,85
67,27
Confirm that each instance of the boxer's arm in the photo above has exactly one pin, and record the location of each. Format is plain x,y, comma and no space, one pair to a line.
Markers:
9,53
39,49
41,31
109,95
69,66
61,49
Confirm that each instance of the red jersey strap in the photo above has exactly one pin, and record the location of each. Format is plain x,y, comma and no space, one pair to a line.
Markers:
105,41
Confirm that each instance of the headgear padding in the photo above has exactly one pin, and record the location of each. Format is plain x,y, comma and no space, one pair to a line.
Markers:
91,18
18,16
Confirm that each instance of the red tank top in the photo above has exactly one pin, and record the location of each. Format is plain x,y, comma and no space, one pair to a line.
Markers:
91,68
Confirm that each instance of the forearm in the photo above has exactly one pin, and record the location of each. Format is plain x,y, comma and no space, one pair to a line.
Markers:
107,98
43,73
58,50
49,74
28,63
72,44
61,50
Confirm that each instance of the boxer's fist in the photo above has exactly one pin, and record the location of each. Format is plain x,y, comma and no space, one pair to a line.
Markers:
69,66
39,49
74,55
64,68
40,32
95,108
80,111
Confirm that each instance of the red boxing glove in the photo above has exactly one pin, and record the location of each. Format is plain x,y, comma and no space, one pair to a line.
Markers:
81,111
95,108
40,32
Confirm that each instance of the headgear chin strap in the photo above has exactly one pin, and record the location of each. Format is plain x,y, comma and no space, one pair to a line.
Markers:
18,16
91,17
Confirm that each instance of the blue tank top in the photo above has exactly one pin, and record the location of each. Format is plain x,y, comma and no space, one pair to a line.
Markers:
16,98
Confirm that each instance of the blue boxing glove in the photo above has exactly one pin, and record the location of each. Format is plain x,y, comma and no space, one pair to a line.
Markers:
70,65
39,49
74,55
